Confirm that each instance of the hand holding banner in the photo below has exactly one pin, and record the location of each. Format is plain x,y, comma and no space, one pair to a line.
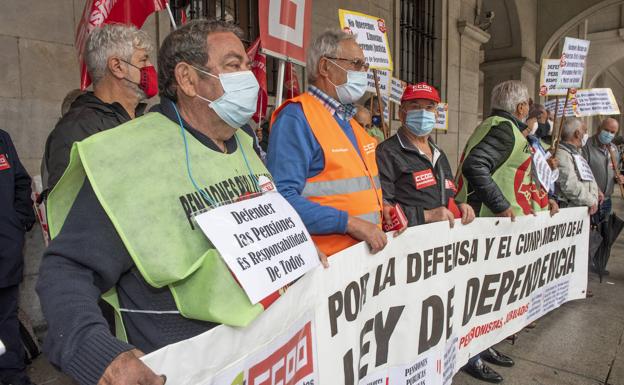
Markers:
451,296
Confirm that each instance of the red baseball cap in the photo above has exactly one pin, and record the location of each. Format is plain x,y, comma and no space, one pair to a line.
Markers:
420,91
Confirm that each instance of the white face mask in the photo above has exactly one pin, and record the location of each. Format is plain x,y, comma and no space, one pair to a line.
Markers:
240,96
354,88
584,139
551,124
534,128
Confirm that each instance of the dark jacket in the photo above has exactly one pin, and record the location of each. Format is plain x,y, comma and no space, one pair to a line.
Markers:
88,258
16,212
484,159
87,115
599,158
408,178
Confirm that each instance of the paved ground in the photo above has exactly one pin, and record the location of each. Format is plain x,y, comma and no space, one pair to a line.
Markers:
581,343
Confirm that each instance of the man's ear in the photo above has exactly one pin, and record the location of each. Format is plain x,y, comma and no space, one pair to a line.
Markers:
323,67
186,79
116,67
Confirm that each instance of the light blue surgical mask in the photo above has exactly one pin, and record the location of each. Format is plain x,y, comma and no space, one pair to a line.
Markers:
420,122
605,137
355,87
240,97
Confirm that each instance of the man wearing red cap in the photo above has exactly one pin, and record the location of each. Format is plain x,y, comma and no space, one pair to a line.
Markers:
414,172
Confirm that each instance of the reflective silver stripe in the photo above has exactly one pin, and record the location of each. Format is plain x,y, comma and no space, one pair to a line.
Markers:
373,217
150,311
339,186
377,182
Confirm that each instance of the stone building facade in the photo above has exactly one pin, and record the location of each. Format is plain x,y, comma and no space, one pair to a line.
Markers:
467,53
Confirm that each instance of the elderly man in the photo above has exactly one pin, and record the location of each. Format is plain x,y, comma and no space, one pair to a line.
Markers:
364,118
126,228
497,179
576,185
414,172
598,152
496,172
16,217
330,176
117,59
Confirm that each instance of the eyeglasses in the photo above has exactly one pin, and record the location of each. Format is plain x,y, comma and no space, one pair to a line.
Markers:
358,64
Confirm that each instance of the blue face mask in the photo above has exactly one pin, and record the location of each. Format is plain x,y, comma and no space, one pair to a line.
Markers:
420,122
377,120
240,97
605,137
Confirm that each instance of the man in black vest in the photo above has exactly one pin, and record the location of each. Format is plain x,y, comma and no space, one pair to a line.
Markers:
16,217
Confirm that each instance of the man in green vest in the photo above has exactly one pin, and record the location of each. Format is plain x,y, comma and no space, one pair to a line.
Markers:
122,216
496,180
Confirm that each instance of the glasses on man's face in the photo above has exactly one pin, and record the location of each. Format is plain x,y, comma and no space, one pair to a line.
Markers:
357,64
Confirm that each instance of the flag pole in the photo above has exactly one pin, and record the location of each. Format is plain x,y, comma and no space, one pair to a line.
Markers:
557,139
380,105
280,83
173,23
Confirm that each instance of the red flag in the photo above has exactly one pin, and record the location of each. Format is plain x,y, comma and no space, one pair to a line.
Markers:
291,83
258,67
99,12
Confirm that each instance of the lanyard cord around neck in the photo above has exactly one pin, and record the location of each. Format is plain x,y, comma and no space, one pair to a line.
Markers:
189,171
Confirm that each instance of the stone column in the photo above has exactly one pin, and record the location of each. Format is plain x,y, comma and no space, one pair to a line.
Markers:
497,71
462,87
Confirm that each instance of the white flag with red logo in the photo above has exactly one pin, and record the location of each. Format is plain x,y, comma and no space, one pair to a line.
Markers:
100,12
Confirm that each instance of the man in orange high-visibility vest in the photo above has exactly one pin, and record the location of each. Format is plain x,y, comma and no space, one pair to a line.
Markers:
321,159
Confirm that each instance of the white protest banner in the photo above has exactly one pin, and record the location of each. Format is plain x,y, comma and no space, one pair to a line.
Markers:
585,172
551,104
442,120
397,87
546,175
594,101
548,78
371,36
384,82
262,240
572,63
412,313
587,102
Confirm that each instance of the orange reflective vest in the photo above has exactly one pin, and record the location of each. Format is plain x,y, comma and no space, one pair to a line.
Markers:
349,182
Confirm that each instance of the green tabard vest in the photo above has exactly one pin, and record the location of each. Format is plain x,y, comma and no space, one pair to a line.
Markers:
513,177
138,173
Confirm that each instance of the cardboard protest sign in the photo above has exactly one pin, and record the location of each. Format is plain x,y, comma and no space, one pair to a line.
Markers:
371,36
588,102
442,120
551,104
594,101
384,82
397,87
263,241
548,78
450,296
572,63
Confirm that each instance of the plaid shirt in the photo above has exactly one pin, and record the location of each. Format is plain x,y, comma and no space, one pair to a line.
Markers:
343,111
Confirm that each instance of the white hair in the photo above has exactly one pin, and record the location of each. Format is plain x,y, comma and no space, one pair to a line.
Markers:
507,95
112,40
326,44
570,126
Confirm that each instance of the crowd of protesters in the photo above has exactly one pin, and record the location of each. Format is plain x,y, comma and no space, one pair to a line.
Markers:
114,197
